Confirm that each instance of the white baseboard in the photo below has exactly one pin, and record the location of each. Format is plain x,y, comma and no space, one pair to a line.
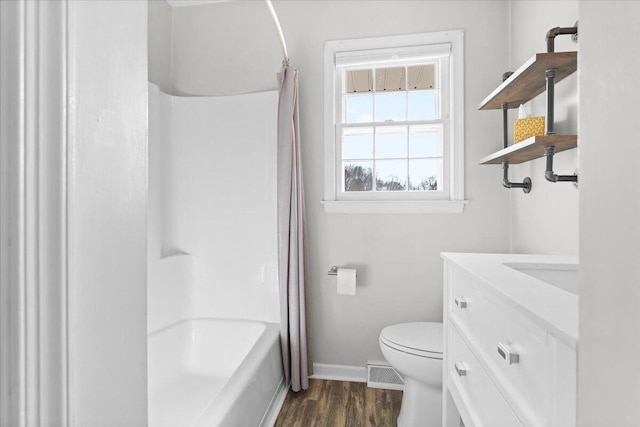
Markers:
270,417
325,371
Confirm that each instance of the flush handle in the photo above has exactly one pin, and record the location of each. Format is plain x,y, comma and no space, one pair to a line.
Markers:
461,302
461,369
508,354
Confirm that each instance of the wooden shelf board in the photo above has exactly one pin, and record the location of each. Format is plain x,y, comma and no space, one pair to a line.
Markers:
530,149
529,80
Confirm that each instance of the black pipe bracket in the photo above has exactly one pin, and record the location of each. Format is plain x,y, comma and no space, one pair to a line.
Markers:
556,31
525,184
549,152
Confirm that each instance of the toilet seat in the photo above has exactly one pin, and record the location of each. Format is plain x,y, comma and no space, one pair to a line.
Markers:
422,339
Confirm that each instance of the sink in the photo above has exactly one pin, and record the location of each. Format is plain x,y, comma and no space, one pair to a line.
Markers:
563,276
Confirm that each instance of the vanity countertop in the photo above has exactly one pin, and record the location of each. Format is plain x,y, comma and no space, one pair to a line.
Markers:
552,308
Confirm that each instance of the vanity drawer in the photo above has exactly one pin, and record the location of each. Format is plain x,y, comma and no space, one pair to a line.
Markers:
483,401
516,348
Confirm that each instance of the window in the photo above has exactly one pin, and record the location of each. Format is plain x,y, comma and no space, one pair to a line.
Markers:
393,120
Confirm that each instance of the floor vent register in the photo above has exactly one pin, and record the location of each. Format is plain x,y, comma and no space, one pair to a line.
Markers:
384,376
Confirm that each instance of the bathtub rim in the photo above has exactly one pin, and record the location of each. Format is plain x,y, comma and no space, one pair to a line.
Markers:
204,318
268,340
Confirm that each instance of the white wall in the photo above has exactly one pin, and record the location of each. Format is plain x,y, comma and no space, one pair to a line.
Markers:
225,48
106,208
609,384
545,220
232,48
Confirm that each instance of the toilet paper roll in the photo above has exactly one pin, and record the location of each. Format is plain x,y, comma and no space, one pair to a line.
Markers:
346,281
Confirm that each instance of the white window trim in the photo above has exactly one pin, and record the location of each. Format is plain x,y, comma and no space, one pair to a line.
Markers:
452,204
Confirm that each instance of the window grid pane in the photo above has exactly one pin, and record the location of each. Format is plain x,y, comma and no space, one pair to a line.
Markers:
390,106
390,142
357,143
358,108
425,174
357,176
425,141
391,175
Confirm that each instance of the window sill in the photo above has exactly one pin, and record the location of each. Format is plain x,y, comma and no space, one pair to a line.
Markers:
395,207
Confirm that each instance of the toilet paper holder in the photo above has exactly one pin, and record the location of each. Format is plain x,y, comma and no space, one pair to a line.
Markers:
334,271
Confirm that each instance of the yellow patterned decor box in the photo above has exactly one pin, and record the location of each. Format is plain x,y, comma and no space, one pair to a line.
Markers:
526,128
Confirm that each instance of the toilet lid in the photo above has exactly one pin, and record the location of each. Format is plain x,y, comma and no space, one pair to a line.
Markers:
422,336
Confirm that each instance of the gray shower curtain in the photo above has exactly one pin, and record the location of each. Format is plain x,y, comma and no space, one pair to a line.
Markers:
292,238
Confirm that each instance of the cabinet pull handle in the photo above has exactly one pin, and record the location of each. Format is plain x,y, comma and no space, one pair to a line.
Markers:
461,369
461,302
508,354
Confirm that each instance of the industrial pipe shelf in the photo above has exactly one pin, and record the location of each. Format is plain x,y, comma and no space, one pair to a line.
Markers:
530,149
529,80
539,74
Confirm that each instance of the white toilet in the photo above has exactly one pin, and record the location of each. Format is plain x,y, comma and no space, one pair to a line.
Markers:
415,351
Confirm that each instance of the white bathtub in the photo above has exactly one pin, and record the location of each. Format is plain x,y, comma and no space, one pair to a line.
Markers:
215,372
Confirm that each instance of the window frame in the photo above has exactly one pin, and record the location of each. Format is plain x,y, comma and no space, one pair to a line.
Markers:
406,47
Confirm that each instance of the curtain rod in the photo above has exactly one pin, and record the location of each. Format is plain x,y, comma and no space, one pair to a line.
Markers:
280,34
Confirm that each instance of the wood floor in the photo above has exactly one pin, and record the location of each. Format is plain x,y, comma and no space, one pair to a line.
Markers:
339,403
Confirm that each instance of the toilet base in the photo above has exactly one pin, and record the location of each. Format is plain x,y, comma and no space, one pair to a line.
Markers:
421,405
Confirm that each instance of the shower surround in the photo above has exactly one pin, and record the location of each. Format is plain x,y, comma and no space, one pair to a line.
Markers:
212,262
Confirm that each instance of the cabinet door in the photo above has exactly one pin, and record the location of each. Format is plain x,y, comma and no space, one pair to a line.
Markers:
483,402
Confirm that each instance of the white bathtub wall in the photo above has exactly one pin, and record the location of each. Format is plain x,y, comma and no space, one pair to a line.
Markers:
159,126
171,284
169,278
219,201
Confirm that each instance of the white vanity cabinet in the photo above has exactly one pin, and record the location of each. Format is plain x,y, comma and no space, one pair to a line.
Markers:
510,342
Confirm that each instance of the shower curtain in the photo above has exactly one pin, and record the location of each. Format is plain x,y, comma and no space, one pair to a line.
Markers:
292,238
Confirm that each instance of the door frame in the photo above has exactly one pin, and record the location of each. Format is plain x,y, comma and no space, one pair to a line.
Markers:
33,220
